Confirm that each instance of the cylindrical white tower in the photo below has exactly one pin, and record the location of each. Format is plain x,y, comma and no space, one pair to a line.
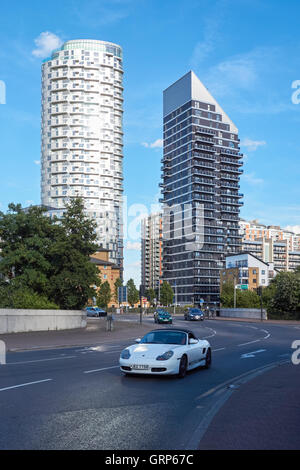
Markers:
82,138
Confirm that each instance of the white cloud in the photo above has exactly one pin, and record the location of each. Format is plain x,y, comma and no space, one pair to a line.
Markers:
133,245
46,42
37,162
242,73
251,179
158,143
252,145
293,228
210,33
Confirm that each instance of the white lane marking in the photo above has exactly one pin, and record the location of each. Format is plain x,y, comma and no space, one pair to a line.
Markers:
24,385
268,334
252,354
214,333
250,342
220,349
99,370
256,340
40,360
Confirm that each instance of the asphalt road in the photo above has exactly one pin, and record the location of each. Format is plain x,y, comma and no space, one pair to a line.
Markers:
77,398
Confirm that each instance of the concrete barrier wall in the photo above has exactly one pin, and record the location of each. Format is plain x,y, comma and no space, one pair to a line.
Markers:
254,313
19,320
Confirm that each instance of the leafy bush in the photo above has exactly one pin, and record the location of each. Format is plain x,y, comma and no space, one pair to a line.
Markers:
24,298
244,298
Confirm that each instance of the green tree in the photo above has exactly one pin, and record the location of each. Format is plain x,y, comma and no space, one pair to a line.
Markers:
244,298
104,295
166,294
226,297
132,293
150,294
73,275
118,283
26,239
47,256
283,294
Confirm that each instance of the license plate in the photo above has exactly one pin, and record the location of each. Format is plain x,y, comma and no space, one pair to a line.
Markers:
140,367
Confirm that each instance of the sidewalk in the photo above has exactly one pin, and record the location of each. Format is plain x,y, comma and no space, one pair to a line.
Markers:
258,320
262,414
94,333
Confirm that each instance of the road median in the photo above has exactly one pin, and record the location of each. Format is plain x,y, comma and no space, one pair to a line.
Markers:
94,333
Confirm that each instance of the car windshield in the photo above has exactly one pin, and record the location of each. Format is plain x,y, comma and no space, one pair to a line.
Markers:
164,337
195,310
163,314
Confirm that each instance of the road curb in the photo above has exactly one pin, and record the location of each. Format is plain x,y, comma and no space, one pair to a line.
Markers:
227,388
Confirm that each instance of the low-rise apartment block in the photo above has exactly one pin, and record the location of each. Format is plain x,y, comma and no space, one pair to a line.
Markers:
247,271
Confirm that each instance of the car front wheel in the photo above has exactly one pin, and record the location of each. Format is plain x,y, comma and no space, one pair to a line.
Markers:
182,367
208,359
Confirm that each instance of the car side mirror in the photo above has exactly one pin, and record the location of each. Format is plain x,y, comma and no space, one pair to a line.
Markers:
193,341
138,340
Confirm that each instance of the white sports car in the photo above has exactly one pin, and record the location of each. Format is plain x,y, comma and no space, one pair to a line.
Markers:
166,351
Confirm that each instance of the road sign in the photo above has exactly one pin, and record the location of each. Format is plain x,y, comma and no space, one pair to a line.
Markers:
242,286
122,294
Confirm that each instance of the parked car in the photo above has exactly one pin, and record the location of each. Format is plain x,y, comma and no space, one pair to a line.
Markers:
162,316
194,314
166,351
95,312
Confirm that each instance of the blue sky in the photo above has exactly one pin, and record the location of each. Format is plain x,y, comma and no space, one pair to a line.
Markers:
247,53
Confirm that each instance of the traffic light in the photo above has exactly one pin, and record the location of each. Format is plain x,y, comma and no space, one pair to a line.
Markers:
259,291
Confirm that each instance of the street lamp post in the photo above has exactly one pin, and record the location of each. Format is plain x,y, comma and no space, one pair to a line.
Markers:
175,298
234,292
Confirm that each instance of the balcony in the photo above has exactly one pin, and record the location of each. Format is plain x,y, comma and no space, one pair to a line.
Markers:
230,152
206,148
203,155
208,140
203,130
231,169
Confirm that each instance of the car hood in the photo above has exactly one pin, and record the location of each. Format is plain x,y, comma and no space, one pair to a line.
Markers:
151,351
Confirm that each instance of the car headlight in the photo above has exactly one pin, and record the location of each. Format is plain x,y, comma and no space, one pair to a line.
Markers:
164,357
125,354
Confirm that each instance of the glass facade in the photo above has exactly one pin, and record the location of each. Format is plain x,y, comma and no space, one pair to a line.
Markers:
201,167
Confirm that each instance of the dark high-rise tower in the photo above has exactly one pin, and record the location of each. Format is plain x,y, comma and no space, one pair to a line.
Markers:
200,186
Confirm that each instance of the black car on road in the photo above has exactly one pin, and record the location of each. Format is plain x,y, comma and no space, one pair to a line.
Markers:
194,314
